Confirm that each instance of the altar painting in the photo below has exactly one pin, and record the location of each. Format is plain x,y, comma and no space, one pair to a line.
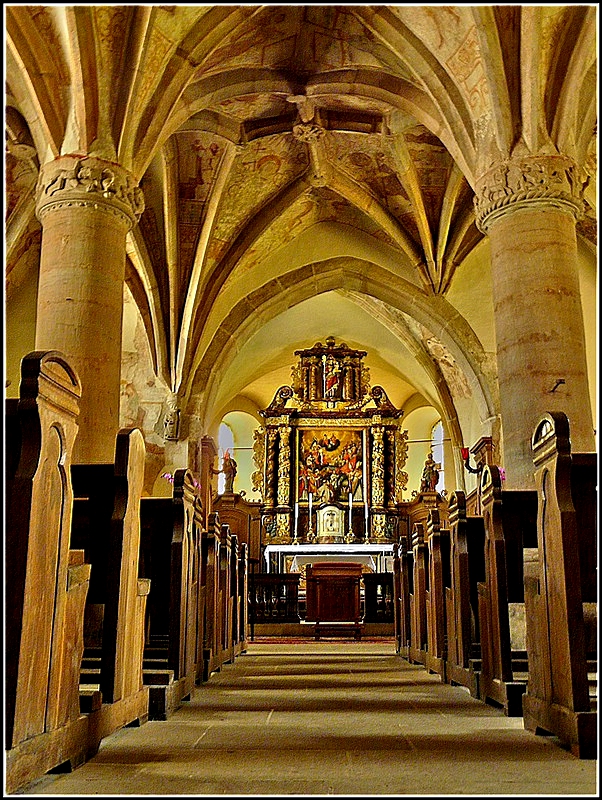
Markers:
330,465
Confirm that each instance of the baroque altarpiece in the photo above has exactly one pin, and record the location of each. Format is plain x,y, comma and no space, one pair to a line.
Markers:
330,457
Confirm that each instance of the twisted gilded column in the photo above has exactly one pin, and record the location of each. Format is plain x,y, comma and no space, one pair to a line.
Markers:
529,207
86,206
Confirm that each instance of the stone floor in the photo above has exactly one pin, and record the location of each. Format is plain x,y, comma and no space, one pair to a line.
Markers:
328,718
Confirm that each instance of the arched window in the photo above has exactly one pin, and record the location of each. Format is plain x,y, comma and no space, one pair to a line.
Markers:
437,451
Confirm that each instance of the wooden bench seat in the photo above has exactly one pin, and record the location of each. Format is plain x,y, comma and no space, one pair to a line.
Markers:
561,592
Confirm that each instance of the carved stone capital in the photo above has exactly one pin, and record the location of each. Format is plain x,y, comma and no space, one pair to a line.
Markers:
531,181
80,181
308,132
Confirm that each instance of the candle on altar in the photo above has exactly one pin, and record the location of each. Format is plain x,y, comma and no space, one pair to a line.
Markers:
296,517
350,508
311,498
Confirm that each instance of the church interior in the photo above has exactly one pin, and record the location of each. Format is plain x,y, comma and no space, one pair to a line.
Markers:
300,352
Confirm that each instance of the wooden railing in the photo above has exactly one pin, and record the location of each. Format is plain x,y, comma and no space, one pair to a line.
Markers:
378,597
273,597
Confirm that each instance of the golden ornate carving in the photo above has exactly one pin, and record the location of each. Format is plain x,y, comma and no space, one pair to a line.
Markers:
379,527
259,446
401,456
284,466
378,466
332,412
271,436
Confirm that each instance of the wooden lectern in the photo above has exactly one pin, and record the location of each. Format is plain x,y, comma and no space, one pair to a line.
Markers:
333,597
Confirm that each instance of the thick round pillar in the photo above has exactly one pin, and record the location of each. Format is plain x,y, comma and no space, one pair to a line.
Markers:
86,207
540,337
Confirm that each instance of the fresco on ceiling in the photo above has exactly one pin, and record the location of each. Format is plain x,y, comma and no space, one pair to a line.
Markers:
111,24
262,168
333,38
365,162
454,377
321,205
249,49
433,166
451,32
467,66
156,55
253,106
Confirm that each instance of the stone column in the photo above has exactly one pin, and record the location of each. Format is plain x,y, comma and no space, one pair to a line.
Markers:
86,206
529,207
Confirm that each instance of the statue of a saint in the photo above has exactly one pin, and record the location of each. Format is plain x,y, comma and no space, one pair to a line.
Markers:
430,475
229,468
171,421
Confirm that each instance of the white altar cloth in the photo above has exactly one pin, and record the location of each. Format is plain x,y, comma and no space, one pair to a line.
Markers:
376,556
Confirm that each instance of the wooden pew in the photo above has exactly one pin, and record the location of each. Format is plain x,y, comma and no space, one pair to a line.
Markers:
230,597
418,629
210,580
243,600
467,565
106,525
199,523
561,592
510,519
403,574
438,581
46,581
224,653
171,537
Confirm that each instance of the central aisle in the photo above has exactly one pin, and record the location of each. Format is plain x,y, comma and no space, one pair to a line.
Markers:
319,718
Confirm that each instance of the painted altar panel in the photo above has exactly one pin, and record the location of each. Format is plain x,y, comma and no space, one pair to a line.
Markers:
330,464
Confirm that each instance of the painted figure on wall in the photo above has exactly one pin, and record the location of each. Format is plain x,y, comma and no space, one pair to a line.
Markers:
330,465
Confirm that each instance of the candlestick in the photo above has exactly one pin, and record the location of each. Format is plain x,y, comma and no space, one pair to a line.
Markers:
296,521
349,537
310,529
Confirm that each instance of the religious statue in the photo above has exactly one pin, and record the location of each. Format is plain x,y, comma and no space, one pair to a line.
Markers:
430,475
229,468
171,421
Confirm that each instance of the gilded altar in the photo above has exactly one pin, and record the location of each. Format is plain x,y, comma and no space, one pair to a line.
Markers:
330,456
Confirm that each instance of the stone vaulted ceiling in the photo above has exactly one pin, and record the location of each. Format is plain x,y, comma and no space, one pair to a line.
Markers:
307,170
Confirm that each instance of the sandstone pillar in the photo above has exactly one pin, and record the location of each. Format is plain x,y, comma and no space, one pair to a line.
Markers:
86,206
529,207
